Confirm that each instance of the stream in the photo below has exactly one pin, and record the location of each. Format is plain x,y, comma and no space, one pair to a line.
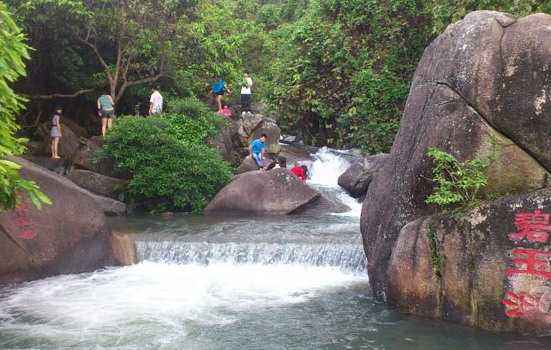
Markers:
297,282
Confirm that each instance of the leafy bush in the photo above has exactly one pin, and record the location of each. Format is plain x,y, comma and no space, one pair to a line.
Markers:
171,163
456,182
12,53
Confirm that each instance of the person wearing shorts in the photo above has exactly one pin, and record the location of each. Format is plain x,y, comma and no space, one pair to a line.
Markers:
55,133
218,90
106,110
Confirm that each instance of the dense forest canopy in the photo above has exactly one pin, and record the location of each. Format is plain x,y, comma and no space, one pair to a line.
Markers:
336,72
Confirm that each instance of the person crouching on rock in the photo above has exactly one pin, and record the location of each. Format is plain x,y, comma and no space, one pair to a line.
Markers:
257,151
106,108
300,171
55,133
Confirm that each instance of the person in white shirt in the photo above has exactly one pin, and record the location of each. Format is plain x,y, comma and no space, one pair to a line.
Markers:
155,103
246,93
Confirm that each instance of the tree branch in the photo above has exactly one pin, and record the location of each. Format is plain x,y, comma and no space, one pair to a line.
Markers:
150,79
57,95
94,48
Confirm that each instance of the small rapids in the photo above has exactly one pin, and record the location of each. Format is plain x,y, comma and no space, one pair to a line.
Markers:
297,282
344,257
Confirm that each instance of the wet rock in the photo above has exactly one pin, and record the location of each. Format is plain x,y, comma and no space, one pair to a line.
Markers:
469,99
99,184
356,179
110,206
275,192
70,236
455,267
295,154
124,249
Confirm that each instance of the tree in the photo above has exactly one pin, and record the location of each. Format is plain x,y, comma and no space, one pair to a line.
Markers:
12,53
130,39
92,43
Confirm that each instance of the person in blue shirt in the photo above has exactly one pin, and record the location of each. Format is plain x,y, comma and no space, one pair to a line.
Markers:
257,150
219,89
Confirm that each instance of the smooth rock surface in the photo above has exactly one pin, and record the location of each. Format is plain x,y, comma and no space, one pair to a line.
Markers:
96,183
454,267
464,100
274,192
70,236
356,179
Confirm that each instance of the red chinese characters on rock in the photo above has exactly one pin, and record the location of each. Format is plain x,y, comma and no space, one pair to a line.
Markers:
518,305
534,227
531,262
23,223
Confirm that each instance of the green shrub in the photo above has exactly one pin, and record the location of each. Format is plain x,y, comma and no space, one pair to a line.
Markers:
13,51
171,164
456,182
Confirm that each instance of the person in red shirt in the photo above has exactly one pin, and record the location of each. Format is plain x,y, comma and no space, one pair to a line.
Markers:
301,172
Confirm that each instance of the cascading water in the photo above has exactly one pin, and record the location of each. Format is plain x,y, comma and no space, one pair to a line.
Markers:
296,282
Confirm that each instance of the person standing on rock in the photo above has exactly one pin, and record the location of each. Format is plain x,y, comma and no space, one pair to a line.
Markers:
246,93
155,102
106,110
55,133
218,90
257,150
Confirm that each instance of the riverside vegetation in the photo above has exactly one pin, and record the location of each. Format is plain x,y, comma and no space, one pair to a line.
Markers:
335,72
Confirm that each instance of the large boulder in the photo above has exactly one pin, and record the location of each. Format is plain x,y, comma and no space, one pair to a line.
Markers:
251,126
96,183
87,158
228,143
488,267
110,206
58,166
275,192
297,153
271,129
69,236
248,164
480,90
356,179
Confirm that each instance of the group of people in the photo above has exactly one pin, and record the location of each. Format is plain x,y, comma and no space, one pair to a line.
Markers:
258,150
221,88
106,111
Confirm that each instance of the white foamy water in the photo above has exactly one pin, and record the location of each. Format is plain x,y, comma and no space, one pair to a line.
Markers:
328,165
326,168
155,303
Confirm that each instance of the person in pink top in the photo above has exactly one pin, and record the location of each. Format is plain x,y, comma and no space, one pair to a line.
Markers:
225,112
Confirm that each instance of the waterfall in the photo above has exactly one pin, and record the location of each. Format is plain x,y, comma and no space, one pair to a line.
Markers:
325,170
346,257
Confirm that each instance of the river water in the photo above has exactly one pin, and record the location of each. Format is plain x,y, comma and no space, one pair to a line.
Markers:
297,282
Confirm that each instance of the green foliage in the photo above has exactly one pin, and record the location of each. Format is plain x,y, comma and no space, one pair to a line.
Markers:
456,182
12,53
168,156
342,71
336,71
